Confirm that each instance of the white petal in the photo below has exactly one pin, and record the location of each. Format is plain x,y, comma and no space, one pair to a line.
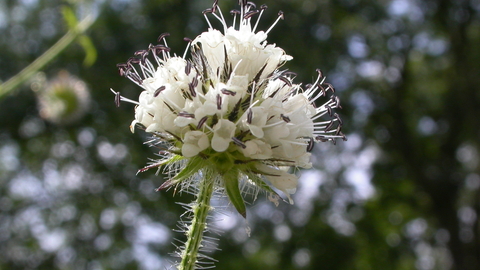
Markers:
224,130
194,142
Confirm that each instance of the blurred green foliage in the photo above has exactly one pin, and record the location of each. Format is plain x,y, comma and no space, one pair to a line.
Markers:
402,193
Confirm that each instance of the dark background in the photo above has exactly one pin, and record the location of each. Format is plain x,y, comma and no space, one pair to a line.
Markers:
402,193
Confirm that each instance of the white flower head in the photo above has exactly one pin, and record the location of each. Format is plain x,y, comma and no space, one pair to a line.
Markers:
228,108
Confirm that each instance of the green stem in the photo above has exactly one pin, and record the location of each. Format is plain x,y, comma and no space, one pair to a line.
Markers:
45,58
199,222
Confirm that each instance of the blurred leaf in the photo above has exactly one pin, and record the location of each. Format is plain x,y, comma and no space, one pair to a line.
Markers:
69,17
89,48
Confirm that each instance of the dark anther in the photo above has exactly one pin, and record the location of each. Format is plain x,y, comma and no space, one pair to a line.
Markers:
214,6
201,122
234,11
117,99
158,48
289,73
122,68
186,115
329,86
263,7
161,47
252,4
320,73
188,68
228,92
208,10
249,116
329,126
322,89
135,77
162,36
339,130
195,81
133,60
338,118
308,86
336,100
187,39
159,90
140,52
329,110
321,138
219,102
238,142
191,87
344,138
280,13
285,118
310,145
285,80
250,14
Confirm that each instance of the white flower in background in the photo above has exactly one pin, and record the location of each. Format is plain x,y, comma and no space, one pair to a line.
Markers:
228,108
62,100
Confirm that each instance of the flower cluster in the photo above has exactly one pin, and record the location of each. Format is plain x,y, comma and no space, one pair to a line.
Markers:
229,109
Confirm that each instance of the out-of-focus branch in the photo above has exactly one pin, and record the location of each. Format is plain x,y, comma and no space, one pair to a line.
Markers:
46,57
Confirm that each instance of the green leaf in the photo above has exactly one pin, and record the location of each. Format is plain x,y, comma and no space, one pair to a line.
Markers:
233,191
69,17
89,48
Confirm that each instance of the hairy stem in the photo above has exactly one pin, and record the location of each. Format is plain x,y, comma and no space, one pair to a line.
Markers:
197,227
45,58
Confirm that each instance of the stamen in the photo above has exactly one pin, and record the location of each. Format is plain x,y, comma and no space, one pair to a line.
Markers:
188,47
250,14
280,16
249,116
228,92
117,99
186,115
195,81
329,126
234,13
191,87
311,144
329,86
338,118
122,68
159,90
215,5
285,80
238,142
117,94
289,73
262,8
162,37
208,10
201,122
285,118
219,102
222,19
251,4
188,67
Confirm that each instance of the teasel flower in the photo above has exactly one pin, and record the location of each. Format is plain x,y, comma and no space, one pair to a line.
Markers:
62,100
227,119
